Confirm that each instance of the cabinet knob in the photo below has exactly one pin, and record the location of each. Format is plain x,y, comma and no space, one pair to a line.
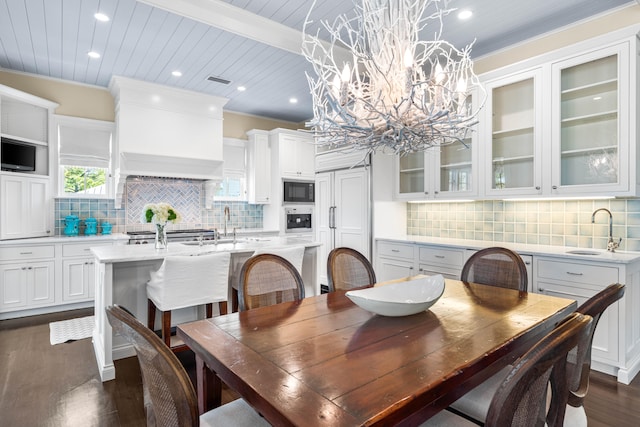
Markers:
555,187
411,268
537,187
540,289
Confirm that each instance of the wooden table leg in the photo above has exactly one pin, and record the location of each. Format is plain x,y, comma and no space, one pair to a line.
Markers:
209,387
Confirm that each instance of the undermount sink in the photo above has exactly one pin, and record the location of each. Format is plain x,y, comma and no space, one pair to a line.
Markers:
583,252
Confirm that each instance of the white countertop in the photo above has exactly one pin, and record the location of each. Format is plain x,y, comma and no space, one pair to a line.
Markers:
66,239
622,257
125,253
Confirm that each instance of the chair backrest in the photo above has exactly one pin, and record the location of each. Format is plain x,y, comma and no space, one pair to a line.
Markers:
187,281
170,399
496,266
349,269
521,398
268,279
293,254
580,364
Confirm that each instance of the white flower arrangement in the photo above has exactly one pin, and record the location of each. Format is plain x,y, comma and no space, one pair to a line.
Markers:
160,213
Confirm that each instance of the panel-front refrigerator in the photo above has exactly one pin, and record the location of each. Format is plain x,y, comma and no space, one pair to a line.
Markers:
343,213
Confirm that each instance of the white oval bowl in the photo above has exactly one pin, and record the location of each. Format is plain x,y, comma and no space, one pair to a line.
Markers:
402,298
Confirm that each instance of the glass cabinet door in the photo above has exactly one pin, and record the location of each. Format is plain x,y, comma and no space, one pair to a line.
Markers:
589,123
455,167
513,136
411,174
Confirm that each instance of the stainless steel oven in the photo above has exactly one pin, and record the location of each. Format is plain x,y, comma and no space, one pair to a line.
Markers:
299,219
298,191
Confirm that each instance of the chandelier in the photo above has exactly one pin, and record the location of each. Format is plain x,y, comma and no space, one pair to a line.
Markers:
378,87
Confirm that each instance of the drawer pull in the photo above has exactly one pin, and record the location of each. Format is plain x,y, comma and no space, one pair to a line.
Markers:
573,274
87,249
26,253
573,296
395,250
439,256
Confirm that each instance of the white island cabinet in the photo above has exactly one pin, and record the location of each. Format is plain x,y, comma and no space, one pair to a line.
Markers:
551,270
121,274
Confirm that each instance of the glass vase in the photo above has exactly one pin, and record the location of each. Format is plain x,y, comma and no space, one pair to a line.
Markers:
161,236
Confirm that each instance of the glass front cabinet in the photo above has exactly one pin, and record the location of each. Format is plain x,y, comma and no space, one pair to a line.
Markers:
445,172
590,123
513,139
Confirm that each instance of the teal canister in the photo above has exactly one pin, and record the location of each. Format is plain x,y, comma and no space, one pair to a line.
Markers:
71,223
106,228
91,226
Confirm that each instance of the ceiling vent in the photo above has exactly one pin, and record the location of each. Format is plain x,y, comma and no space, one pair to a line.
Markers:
218,80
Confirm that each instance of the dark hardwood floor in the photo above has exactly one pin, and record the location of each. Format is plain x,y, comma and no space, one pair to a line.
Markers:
45,385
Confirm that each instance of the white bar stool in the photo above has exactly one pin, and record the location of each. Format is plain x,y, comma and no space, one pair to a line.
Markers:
187,281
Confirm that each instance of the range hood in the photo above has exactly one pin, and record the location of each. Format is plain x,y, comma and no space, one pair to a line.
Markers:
165,132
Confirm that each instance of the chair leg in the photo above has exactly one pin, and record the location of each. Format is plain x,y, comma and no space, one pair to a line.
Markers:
151,315
209,310
166,327
234,300
222,307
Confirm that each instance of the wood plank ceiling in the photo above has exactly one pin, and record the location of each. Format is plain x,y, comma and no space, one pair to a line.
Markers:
143,40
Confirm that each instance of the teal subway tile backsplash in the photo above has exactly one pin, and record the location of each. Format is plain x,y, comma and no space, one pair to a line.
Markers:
187,196
557,223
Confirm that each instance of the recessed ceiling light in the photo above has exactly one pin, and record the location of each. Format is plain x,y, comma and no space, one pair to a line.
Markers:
293,100
94,55
465,14
101,17
176,73
242,88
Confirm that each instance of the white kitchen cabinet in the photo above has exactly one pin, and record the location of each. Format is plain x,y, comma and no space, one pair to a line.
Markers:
342,216
580,281
445,172
565,126
591,123
78,271
24,206
26,118
258,167
295,153
437,260
513,133
27,277
394,260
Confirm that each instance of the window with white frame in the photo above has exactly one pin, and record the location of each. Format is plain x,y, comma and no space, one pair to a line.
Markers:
233,184
84,156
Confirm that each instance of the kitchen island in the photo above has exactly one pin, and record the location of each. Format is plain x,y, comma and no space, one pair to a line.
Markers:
122,272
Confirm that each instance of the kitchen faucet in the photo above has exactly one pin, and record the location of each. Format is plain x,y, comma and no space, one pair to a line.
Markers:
611,244
227,217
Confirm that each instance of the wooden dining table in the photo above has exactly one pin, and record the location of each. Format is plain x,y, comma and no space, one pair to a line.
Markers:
324,361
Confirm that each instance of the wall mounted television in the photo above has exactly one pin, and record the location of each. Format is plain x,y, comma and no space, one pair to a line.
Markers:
17,156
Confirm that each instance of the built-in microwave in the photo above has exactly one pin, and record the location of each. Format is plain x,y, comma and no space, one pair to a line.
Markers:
298,191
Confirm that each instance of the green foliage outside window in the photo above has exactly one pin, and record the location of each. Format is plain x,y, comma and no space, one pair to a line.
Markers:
79,179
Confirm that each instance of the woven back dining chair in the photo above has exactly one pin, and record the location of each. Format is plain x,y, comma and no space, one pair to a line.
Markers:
349,269
496,266
580,365
523,397
475,403
268,279
169,397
